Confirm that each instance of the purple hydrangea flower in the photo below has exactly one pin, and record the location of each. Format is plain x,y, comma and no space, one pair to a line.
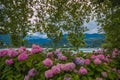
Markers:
78,61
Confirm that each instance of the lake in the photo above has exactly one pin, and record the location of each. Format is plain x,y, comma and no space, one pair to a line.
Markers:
81,49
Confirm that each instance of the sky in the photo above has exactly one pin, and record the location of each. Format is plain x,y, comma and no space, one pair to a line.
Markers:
92,26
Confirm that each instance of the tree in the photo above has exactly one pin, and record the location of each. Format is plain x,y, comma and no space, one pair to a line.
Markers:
107,14
14,19
56,17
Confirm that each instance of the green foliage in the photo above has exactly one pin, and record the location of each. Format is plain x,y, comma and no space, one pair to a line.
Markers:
54,17
76,39
108,17
14,17
19,69
62,16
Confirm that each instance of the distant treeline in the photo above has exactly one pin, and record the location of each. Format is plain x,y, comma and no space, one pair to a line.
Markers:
92,41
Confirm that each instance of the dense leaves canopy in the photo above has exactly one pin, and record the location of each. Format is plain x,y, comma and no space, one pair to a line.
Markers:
55,17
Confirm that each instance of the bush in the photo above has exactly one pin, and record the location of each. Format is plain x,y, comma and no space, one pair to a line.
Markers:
37,64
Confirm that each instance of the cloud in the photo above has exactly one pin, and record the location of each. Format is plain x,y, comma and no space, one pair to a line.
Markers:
91,31
37,34
92,26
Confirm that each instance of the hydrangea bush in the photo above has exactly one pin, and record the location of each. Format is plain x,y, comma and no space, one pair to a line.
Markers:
37,64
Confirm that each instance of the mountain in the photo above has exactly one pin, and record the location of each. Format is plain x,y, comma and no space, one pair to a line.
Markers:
92,40
95,35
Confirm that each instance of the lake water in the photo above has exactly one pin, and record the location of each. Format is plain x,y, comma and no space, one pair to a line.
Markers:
81,49
88,49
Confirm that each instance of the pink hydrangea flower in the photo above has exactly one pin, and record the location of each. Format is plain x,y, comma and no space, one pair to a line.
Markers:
116,50
71,65
12,53
104,74
22,57
119,72
49,55
93,57
97,61
48,62
101,57
62,57
59,65
49,74
55,70
108,56
68,66
58,52
106,59
99,79
27,77
36,49
21,49
87,62
3,53
32,72
9,61
114,55
83,71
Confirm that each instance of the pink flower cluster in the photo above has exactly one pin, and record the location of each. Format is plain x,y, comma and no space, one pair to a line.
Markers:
99,79
115,53
104,74
36,49
87,61
12,53
60,55
119,72
50,55
83,71
27,77
58,68
31,73
3,53
58,52
21,49
48,62
9,61
53,71
22,57
99,58
68,66
97,61
48,74
93,57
